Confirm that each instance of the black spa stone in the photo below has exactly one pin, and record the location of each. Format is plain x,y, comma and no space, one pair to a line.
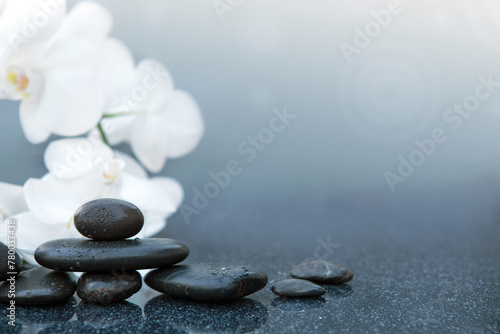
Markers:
108,219
40,286
321,271
15,264
297,288
107,288
105,256
206,282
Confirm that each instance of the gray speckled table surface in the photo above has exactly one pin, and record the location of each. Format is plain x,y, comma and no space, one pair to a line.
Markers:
424,262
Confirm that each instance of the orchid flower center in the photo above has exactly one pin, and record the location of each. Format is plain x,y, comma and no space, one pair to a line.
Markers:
20,83
109,170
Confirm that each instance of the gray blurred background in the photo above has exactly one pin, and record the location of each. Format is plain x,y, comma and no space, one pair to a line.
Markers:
353,119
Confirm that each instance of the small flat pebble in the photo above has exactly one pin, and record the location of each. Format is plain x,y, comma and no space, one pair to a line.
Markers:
40,286
321,271
206,282
108,219
297,288
107,288
105,256
5,265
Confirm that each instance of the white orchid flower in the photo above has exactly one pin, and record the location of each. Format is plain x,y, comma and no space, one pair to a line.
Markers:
158,121
11,200
28,24
81,170
12,206
58,81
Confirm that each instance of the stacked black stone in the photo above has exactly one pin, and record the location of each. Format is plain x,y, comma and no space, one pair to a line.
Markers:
10,262
109,259
31,285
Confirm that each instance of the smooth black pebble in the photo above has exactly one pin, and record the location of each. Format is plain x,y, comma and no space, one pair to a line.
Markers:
297,288
107,288
108,219
5,266
206,282
40,286
321,271
105,256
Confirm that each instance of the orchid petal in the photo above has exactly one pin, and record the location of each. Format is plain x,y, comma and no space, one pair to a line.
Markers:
117,129
76,23
70,54
157,82
70,158
40,196
20,27
172,187
69,96
183,124
149,142
31,232
54,202
11,199
152,227
116,66
33,132
132,167
147,195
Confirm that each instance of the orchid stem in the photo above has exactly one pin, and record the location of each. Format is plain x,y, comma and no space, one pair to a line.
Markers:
103,135
117,114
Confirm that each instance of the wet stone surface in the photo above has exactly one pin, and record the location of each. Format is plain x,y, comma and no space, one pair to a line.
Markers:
108,219
107,288
297,288
40,286
86,255
321,271
206,282
5,264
